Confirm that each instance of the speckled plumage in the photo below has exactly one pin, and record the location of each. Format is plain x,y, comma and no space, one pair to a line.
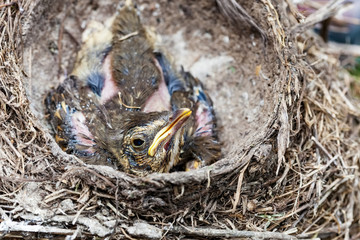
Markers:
125,105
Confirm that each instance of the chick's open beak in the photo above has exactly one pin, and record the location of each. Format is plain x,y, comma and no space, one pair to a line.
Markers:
179,118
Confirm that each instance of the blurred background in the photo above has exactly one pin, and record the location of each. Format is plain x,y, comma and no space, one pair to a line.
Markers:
341,32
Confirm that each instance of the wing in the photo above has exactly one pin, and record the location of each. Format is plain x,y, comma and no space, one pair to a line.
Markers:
63,106
135,68
93,63
201,143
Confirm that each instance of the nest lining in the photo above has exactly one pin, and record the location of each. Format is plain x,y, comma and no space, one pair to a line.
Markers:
264,181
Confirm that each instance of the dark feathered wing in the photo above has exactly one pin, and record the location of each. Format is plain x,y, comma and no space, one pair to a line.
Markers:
64,110
186,91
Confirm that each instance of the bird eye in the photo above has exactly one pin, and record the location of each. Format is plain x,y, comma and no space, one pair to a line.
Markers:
137,142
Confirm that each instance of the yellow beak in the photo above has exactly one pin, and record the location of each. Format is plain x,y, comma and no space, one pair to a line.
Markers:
180,117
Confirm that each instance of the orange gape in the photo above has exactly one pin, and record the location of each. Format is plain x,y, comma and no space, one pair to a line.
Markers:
126,106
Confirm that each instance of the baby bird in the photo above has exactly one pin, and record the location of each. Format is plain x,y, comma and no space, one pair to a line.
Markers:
125,105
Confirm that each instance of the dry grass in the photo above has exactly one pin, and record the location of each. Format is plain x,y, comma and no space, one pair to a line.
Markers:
301,181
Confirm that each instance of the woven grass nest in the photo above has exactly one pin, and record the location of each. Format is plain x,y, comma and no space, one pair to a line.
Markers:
287,120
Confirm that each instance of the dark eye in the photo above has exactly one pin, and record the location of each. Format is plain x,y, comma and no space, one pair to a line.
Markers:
137,142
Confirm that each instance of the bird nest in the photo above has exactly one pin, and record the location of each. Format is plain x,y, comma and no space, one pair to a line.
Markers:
287,122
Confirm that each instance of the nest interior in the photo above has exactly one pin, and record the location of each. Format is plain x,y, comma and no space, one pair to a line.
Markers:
199,38
284,117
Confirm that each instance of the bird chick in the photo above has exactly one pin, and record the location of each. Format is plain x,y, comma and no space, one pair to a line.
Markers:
124,105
